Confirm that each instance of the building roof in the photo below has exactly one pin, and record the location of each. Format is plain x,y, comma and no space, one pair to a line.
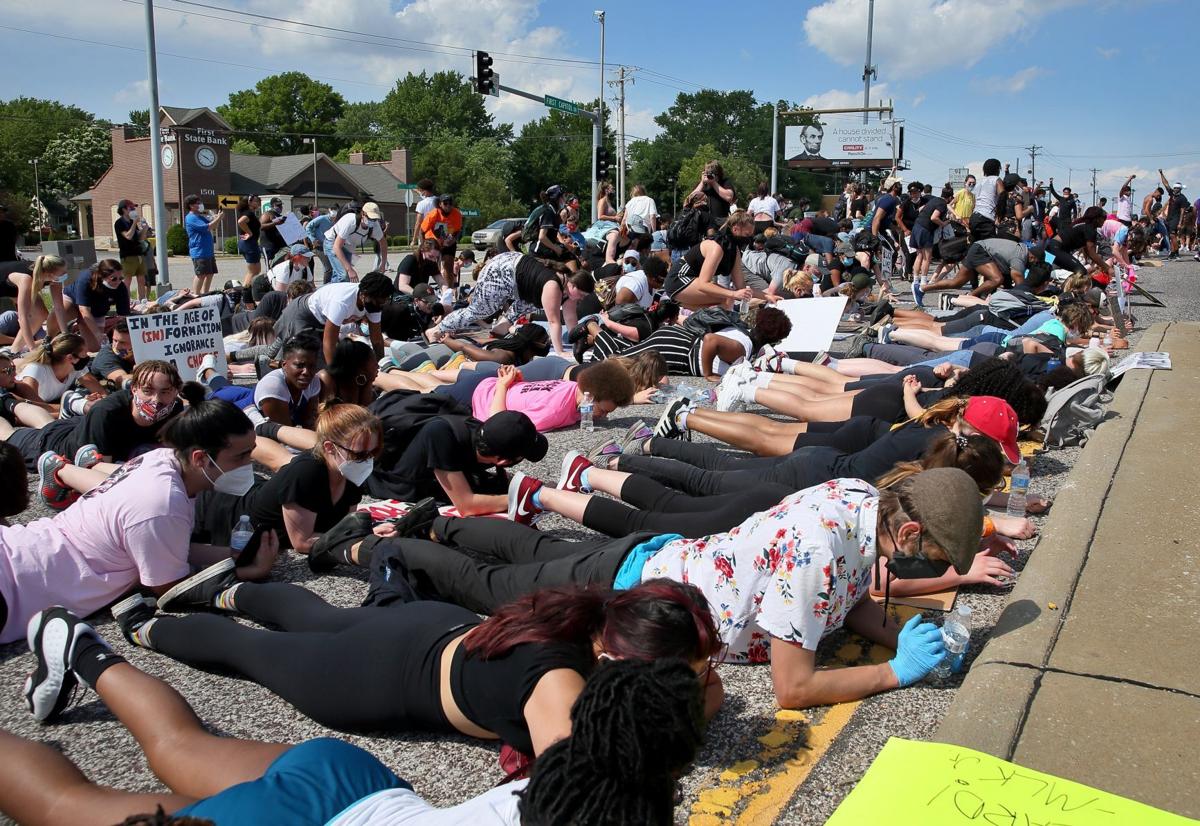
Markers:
375,179
262,173
180,115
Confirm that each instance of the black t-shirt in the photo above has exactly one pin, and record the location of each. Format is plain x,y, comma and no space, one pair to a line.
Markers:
270,237
418,269
810,466
718,207
1076,236
253,225
1175,206
109,425
909,210
858,206
1032,365
925,216
531,277
127,248
436,446
8,240
303,482
492,693
106,361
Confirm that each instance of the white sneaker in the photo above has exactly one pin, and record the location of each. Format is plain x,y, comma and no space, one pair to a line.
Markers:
729,391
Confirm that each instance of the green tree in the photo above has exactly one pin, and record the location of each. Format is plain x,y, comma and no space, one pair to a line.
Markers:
27,126
420,106
139,119
478,172
285,104
244,147
74,161
743,174
556,149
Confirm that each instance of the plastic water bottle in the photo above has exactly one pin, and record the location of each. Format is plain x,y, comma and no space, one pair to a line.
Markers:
1094,343
242,532
743,307
956,633
585,414
1018,491
1107,340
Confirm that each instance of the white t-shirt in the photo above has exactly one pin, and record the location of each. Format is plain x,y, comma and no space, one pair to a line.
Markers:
637,283
284,273
424,205
768,205
643,206
134,527
339,303
793,572
50,388
348,229
985,197
719,367
403,807
274,386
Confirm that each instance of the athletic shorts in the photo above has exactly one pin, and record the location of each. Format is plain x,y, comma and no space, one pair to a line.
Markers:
977,256
922,238
204,266
464,386
133,266
307,785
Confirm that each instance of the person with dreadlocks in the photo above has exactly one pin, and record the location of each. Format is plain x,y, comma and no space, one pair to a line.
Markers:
892,398
634,727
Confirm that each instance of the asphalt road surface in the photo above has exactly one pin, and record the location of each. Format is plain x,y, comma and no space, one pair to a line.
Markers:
760,765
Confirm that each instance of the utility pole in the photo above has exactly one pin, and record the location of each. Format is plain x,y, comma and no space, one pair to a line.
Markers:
156,178
313,141
775,148
598,123
37,196
1033,153
1094,171
868,69
623,75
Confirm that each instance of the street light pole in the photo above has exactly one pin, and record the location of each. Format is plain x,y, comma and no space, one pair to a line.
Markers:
868,69
598,125
156,178
37,196
316,197
674,196
775,149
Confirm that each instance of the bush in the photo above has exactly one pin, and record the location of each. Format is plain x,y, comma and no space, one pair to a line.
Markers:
398,241
231,246
177,243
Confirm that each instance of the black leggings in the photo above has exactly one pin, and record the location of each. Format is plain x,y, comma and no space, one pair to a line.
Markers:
975,318
520,560
652,506
350,669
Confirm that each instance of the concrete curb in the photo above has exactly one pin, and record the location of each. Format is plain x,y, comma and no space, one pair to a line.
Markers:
990,710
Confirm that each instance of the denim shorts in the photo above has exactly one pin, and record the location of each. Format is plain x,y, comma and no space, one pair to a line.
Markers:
250,250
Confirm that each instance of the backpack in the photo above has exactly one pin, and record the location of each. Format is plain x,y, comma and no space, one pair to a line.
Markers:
684,232
529,232
796,252
1072,411
403,412
712,319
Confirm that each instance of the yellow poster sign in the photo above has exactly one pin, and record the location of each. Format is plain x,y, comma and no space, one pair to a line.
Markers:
935,784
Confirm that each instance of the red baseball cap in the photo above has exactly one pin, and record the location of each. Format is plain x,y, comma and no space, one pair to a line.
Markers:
995,418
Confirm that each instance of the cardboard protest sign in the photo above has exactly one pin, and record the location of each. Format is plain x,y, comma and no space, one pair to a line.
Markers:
291,230
183,337
936,784
814,321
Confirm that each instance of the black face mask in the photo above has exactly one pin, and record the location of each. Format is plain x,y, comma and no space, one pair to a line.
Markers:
907,567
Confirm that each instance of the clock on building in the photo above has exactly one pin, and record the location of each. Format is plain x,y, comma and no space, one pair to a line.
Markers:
168,156
206,157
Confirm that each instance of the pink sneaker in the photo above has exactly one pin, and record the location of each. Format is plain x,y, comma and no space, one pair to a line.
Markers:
521,489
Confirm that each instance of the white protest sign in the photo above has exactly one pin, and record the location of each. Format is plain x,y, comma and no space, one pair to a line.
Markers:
183,338
814,321
291,230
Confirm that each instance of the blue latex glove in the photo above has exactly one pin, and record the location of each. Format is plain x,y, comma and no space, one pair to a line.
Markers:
918,651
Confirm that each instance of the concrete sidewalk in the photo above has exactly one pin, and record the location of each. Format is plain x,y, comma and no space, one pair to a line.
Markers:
1092,671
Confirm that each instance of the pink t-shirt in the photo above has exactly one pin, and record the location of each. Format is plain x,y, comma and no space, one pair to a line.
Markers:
134,528
550,404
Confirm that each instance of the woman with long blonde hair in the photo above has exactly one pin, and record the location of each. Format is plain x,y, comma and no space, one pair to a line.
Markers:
24,281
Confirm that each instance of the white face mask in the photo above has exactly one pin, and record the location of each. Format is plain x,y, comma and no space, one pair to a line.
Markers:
201,206
357,473
133,215
236,482
62,279
630,267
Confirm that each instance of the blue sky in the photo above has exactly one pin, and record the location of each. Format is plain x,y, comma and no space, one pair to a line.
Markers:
1098,83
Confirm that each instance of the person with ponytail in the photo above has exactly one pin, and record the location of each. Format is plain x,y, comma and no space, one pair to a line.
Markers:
635,728
23,282
693,280
310,493
53,368
91,296
428,666
132,528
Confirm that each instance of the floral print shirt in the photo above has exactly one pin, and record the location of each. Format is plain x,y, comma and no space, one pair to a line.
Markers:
791,572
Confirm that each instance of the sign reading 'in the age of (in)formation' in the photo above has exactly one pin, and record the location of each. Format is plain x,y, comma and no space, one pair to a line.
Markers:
183,337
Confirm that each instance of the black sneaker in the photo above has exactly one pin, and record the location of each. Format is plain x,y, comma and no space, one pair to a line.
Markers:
666,426
53,636
417,520
351,528
858,344
132,613
200,590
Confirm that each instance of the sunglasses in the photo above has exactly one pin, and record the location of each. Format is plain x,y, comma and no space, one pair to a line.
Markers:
355,455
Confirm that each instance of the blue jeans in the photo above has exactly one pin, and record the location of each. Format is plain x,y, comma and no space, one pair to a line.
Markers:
997,337
1161,226
335,263
1034,321
959,358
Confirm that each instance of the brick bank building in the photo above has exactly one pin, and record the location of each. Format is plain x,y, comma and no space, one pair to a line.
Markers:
196,159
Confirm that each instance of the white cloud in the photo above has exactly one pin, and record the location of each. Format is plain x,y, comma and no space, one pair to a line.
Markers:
135,93
845,99
921,36
918,100
1107,54
1010,85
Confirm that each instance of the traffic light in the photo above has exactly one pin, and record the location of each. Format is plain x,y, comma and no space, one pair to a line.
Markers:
484,76
601,163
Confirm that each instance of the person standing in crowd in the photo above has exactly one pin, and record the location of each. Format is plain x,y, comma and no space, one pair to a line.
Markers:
270,239
8,236
1125,202
1177,202
987,195
605,209
200,243
1067,205
717,190
964,201
132,231
428,202
248,229
926,228
443,226
640,205
763,208
353,227
314,236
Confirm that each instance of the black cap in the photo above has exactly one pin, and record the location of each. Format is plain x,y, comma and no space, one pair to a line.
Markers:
422,292
1012,179
512,435
260,286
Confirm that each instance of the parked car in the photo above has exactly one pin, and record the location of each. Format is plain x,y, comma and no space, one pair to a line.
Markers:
492,236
